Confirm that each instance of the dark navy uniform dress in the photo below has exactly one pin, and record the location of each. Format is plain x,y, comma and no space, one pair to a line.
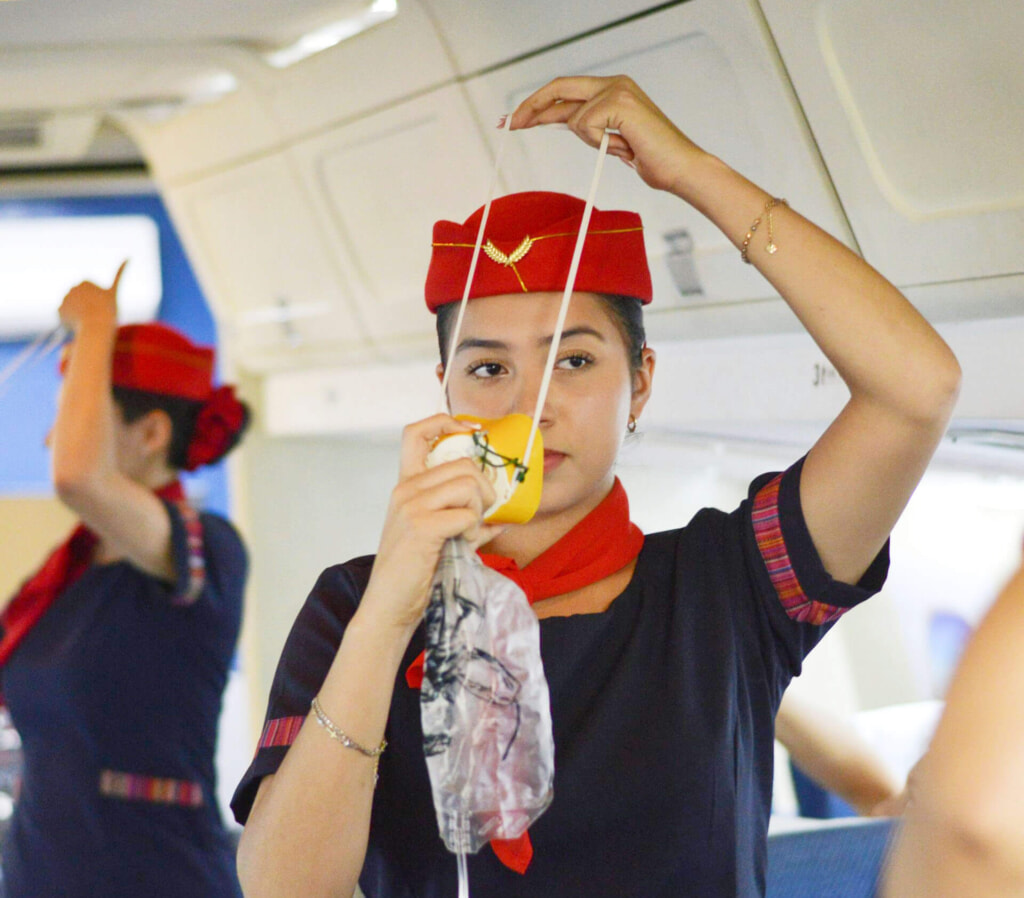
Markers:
116,693
663,709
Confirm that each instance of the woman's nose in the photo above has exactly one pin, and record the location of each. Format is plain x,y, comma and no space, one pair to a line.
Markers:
527,394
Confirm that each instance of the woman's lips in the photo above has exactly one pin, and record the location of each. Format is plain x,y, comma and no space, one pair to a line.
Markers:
552,459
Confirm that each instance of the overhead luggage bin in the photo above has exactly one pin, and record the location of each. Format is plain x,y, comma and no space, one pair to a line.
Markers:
272,108
376,186
485,35
918,109
709,66
276,286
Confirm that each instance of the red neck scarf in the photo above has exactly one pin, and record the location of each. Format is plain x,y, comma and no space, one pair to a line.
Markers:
604,542
68,562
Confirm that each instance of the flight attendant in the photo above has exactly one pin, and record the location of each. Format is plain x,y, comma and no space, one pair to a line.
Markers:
666,654
116,652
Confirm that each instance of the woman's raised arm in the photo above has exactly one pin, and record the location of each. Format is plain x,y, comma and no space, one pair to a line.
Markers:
130,520
903,379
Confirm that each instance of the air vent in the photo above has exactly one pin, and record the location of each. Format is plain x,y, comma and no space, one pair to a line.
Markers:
994,437
21,134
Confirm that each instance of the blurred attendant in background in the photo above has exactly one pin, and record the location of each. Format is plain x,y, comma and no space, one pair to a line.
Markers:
116,652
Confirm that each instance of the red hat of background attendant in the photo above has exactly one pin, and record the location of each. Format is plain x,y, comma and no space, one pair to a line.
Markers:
156,358
528,247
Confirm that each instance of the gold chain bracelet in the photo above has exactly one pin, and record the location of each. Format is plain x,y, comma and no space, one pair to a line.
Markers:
771,248
335,732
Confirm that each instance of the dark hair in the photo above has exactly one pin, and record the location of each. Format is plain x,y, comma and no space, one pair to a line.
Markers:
134,404
626,313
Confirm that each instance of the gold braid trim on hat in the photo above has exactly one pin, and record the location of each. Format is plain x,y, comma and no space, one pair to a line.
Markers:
525,245
528,242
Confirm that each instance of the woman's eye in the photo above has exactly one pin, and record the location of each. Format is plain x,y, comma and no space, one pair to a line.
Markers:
574,362
486,369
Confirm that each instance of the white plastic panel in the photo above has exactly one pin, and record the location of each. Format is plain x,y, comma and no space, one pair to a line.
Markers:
273,108
276,287
918,110
359,400
378,185
204,138
485,34
391,61
707,65
780,387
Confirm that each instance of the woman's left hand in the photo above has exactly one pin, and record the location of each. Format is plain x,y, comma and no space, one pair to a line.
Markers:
647,140
88,301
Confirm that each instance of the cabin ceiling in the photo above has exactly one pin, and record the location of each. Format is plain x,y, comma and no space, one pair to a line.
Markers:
126,55
52,24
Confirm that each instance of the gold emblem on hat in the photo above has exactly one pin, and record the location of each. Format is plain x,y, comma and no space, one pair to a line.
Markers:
496,255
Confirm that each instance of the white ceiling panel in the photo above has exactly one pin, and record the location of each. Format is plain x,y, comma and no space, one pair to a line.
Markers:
58,23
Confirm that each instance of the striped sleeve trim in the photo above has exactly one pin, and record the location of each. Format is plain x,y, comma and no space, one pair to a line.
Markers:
153,789
772,545
280,731
196,560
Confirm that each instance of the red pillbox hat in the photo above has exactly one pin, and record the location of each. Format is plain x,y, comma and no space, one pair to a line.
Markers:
528,246
156,358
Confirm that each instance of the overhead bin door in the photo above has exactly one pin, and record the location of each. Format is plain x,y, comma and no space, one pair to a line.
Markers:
377,186
707,64
482,35
919,110
277,289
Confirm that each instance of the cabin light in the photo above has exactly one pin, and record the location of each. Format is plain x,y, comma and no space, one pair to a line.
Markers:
42,257
329,35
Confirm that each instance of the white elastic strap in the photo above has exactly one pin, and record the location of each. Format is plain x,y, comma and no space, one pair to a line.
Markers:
472,264
563,310
38,349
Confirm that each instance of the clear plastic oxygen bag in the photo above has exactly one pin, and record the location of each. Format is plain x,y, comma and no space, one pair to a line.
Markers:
484,705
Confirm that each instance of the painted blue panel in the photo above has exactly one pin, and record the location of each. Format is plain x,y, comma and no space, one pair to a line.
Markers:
28,406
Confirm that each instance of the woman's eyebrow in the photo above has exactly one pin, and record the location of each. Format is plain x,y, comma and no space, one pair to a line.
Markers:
481,343
477,343
580,331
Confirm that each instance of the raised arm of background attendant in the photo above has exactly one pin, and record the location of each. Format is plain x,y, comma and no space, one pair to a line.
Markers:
903,379
131,522
964,828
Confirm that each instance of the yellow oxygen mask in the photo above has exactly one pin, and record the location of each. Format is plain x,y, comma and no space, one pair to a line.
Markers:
499,446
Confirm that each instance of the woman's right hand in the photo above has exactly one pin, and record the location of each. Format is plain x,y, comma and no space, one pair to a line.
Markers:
428,506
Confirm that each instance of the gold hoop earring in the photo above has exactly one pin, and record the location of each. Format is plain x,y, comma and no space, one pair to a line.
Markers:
631,426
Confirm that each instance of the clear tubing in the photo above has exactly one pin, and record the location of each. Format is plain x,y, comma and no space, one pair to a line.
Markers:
38,349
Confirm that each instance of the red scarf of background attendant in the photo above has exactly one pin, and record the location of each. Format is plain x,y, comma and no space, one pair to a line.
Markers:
68,562
604,542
